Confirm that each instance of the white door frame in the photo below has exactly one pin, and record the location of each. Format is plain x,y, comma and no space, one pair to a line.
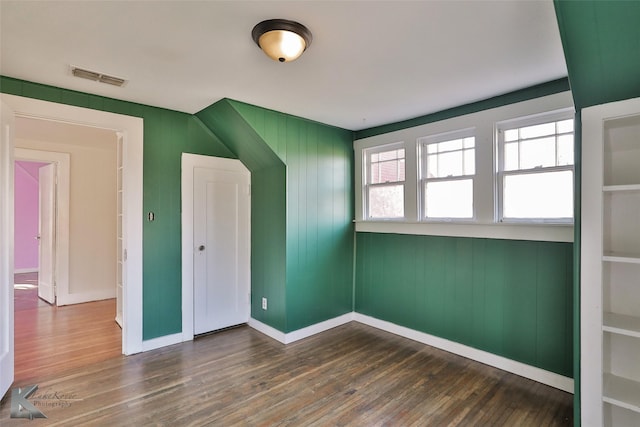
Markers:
63,162
6,248
189,162
132,131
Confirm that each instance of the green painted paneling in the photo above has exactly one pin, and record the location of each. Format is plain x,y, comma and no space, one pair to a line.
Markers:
268,245
319,212
537,91
508,297
166,135
601,41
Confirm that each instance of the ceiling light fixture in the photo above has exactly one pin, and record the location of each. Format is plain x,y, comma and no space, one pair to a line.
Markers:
282,40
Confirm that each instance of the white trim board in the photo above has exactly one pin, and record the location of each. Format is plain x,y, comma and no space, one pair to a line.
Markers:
527,371
159,342
79,298
299,334
25,270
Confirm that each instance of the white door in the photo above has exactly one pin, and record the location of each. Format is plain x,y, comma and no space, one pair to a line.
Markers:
46,233
221,233
6,248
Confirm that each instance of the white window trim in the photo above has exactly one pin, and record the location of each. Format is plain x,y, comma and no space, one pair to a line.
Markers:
421,143
519,122
366,161
484,225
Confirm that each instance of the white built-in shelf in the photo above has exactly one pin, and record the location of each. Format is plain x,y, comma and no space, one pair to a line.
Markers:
622,392
614,188
621,324
622,257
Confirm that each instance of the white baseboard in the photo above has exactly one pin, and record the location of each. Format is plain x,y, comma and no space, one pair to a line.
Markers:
540,375
25,270
79,298
164,341
119,320
300,333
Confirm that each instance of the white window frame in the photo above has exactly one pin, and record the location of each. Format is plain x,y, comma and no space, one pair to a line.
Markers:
422,144
366,177
500,173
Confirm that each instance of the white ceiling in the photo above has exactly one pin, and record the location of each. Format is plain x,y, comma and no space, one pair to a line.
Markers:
370,63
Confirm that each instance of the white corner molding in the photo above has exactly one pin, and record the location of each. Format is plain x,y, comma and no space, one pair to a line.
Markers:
518,368
300,333
164,341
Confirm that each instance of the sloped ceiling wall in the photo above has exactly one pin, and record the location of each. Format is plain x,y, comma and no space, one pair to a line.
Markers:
601,42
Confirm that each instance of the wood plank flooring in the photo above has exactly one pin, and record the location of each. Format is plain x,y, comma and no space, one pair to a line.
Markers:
353,375
50,339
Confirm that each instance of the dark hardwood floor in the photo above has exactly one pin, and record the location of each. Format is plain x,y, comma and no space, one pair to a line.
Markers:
353,375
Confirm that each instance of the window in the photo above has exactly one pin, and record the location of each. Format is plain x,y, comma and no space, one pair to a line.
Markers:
535,169
447,169
384,182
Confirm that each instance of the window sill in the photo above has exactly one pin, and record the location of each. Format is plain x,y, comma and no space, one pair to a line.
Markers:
536,232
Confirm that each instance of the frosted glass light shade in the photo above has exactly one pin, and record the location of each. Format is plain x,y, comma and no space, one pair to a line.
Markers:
281,40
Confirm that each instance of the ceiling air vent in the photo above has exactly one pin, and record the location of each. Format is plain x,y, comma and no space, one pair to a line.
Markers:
97,77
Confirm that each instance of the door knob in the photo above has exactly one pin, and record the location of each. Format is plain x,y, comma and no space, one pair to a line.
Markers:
201,248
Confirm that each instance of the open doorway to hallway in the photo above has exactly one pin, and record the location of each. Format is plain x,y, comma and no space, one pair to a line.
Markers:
79,327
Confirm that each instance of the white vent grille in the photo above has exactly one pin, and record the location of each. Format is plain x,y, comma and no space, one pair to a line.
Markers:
97,77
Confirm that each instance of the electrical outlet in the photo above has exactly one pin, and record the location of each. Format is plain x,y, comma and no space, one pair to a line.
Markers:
264,303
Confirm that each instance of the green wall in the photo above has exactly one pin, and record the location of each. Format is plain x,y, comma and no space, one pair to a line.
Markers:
508,297
601,41
305,268
166,135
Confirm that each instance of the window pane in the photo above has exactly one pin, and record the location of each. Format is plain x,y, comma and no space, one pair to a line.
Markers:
449,199
511,135
432,148
455,144
539,195
401,170
375,173
538,130
386,201
387,166
565,150
511,156
469,142
565,126
469,162
538,152
391,155
389,171
450,164
432,166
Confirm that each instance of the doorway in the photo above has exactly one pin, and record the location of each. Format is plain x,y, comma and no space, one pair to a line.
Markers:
216,235
131,129
68,270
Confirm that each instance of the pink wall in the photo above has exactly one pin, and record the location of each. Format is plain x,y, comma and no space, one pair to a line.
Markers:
26,215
